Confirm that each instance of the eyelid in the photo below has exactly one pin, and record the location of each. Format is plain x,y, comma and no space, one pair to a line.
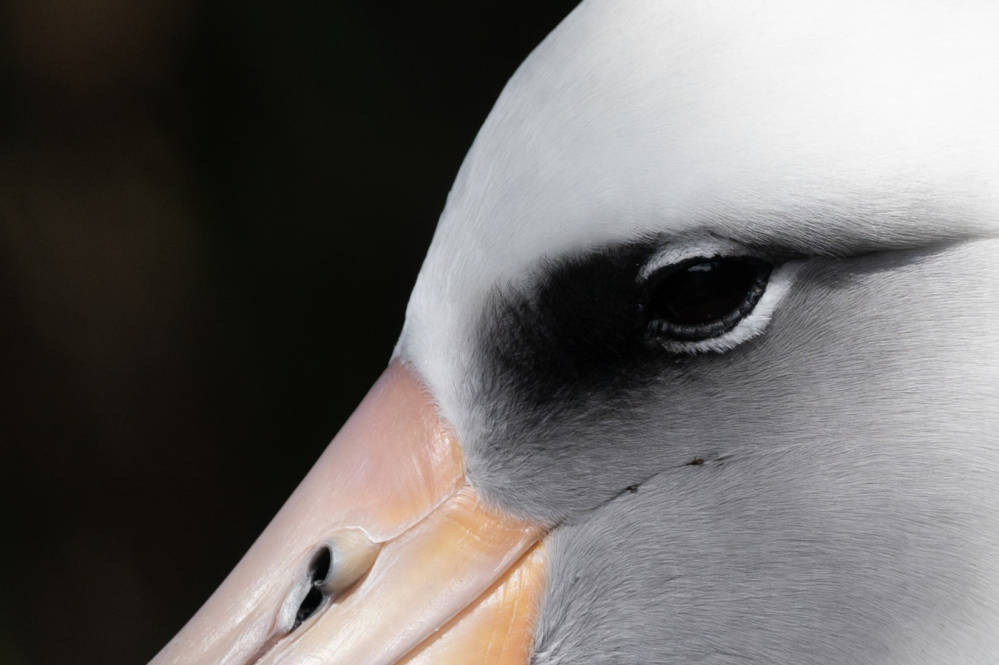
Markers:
779,283
705,247
709,246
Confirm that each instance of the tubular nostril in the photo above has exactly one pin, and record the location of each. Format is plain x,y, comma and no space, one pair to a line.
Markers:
319,567
309,605
334,567
319,570
351,555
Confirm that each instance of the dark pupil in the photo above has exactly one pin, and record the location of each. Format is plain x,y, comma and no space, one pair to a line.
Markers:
708,291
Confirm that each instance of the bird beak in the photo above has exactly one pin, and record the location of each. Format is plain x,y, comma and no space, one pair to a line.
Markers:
383,554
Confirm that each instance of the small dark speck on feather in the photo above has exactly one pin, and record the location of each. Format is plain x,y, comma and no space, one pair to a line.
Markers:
697,461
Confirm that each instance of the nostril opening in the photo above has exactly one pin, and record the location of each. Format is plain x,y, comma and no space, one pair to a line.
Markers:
325,578
319,570
309,605
319,567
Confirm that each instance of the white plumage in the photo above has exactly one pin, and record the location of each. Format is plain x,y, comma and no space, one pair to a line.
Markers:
845,507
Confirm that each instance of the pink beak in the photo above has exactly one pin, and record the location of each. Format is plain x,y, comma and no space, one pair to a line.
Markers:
383,554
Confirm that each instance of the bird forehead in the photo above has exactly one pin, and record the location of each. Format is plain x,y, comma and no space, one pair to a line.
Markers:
827,125
667,116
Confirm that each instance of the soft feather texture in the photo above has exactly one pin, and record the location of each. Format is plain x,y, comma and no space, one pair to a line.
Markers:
842,504
846,510
834,125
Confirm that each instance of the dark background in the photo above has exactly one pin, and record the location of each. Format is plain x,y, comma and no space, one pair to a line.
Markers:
211,214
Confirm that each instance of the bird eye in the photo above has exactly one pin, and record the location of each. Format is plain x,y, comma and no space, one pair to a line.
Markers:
703,298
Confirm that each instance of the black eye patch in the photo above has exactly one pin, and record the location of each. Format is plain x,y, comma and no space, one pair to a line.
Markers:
578,326
591,323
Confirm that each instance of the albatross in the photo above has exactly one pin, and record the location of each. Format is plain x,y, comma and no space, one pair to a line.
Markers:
702,366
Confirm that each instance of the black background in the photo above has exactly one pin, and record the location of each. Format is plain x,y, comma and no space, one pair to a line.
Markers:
211,214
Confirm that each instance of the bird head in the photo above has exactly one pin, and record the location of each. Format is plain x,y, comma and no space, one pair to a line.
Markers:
701,366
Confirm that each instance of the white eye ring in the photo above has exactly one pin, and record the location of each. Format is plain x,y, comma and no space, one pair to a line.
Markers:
778,284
